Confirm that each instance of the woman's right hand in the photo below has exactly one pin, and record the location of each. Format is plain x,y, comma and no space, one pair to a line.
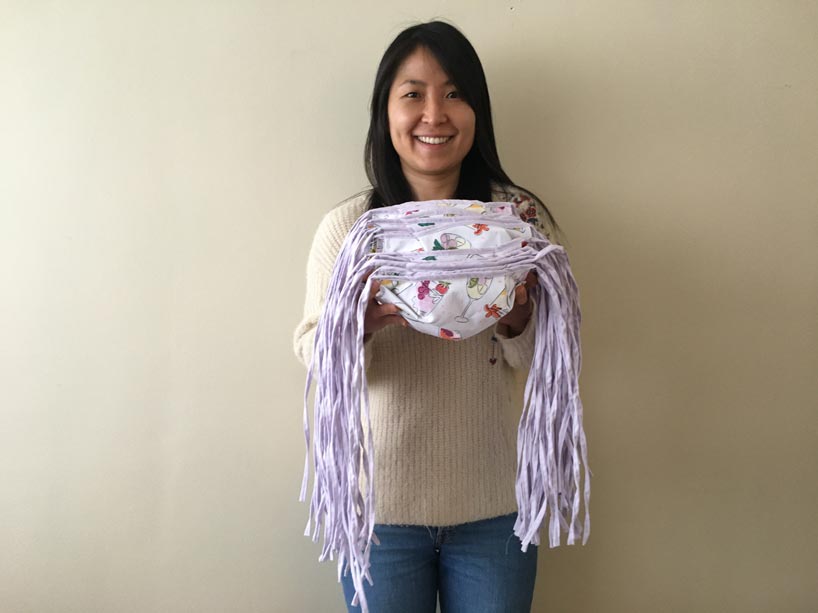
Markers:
378,316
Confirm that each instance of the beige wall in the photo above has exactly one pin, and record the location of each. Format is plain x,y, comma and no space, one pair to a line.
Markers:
162,169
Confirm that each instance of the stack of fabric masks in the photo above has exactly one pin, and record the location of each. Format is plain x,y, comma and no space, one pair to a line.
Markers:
452,267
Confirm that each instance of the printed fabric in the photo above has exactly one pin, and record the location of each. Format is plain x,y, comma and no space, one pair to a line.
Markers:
451,308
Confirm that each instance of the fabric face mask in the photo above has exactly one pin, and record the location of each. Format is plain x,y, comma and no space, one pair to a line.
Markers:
460,234
451,266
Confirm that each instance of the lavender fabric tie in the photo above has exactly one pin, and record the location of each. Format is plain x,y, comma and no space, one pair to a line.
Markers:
392,245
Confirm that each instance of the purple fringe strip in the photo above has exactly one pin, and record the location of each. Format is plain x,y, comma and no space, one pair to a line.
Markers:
551,446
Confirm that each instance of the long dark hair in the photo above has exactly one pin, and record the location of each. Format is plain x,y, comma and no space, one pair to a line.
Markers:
481,167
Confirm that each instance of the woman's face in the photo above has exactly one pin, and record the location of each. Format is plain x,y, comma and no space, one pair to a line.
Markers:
432,128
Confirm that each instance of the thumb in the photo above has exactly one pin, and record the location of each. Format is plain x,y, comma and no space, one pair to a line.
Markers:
521,294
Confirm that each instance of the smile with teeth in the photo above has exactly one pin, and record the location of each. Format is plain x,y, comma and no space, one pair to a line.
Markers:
434,140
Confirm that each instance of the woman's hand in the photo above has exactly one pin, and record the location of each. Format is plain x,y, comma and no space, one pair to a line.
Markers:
378,316
517,318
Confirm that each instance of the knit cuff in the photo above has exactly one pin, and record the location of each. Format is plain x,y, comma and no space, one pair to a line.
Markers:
519,350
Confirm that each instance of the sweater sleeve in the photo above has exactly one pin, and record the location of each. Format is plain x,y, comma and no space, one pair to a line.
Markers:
326,245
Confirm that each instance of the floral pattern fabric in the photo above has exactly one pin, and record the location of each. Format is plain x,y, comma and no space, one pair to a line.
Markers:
459,307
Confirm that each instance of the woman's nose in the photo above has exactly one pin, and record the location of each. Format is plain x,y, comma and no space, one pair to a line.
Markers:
434,111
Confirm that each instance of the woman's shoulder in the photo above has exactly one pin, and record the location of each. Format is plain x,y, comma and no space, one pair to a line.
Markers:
529,207
338,221
345,213
356,203
354,206
518,196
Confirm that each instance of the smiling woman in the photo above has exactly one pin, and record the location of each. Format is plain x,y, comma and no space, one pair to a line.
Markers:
434,69
445,454
431,126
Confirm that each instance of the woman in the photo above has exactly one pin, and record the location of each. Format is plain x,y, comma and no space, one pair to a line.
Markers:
445,454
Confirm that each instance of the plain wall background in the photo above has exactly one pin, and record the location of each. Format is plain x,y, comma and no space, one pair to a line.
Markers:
163,167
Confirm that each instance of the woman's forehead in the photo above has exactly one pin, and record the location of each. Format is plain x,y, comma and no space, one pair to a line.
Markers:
421,68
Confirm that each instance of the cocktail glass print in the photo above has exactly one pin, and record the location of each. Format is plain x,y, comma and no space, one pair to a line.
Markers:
476,287
449,240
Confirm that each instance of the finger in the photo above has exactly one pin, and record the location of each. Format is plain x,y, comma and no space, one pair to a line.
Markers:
385,310
388,320
531,279
375,312
395,320
521,295
373,289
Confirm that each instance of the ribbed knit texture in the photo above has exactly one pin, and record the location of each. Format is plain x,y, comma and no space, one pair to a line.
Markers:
445,452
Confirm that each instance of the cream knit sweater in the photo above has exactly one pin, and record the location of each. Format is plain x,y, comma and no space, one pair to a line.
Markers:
445,452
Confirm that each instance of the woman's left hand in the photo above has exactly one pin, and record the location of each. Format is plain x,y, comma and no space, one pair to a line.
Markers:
517,318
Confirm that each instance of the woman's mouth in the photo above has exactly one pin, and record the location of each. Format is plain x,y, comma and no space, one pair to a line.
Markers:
434,140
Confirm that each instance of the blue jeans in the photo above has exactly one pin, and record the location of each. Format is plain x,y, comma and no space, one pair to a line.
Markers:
477,567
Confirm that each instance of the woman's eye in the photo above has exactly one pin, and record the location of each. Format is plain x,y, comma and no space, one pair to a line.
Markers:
454,94
412,95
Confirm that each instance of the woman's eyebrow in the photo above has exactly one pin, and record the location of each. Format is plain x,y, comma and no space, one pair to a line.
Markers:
418,82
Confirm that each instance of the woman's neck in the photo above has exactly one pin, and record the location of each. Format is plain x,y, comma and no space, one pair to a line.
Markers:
432,187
